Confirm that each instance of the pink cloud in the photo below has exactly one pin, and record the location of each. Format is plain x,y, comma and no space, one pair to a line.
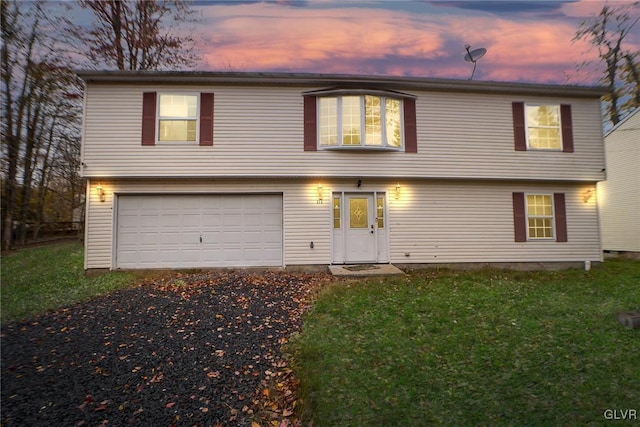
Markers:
269,36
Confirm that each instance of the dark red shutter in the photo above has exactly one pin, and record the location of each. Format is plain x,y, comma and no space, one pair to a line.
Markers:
410,129
310,127
519,218
560,216
206,119
149,118
519,133
567,128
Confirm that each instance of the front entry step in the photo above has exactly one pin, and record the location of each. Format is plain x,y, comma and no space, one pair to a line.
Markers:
365,270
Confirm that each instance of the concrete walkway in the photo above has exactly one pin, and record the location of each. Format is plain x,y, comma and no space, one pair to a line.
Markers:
365,270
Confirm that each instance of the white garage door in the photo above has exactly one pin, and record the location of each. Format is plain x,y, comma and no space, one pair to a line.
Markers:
197,231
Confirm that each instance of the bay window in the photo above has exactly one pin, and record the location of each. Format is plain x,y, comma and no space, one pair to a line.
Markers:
360,121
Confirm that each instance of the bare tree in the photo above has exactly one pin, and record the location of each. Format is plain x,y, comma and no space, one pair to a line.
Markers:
136,34
35,77
607,32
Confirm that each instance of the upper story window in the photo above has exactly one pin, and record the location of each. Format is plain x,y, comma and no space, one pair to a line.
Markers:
360,121
177,118
543,127
365,119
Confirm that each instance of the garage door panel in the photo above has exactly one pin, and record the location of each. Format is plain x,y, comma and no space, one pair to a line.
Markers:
230,219
252,219
272,220
232,255
273,237
211,236
192,220
148,257
258,238
211,220
167,238
167,220
164,231
231,238
146,239
148,222
191,203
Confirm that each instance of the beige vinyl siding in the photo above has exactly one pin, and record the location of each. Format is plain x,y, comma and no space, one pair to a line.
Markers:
98,226
258,131
304,220
434,221
619,195
455,221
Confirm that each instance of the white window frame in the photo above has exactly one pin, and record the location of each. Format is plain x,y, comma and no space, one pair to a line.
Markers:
553,216
527,126
363,145
177,118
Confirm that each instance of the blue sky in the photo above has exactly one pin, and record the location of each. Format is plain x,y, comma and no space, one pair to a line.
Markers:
529,41
525,40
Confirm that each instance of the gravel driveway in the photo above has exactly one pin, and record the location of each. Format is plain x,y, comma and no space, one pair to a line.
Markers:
188,349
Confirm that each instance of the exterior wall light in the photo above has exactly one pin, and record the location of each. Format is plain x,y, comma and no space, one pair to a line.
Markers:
100,192
587,195
397,191
320,193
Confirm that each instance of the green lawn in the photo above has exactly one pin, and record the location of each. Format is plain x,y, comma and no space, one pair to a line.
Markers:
39,279
472,348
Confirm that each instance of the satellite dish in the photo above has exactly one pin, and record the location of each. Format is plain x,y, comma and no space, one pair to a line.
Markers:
473,56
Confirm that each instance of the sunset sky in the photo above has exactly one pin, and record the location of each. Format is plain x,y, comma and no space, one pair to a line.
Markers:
527,41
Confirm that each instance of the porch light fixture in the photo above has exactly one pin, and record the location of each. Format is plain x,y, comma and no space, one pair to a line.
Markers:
587,195
100,192
320,193
397,191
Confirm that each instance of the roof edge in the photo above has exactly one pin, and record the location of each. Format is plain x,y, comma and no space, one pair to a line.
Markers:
315,80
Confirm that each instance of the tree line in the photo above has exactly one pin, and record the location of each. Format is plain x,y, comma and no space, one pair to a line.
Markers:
42,96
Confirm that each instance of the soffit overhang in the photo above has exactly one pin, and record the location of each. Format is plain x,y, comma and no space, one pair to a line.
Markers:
341,81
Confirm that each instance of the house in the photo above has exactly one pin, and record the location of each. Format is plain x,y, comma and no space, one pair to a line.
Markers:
225,169
619,195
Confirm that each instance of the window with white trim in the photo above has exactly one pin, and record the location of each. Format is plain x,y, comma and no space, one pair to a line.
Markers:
539,216
368,121
543,127
177,117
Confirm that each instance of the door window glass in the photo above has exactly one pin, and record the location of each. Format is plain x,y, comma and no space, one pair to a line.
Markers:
358,212
380,211
336,212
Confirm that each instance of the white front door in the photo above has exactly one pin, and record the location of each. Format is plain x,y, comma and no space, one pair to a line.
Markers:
360,228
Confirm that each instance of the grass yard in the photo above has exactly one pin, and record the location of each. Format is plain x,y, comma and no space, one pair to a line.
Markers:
472,348
35,280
